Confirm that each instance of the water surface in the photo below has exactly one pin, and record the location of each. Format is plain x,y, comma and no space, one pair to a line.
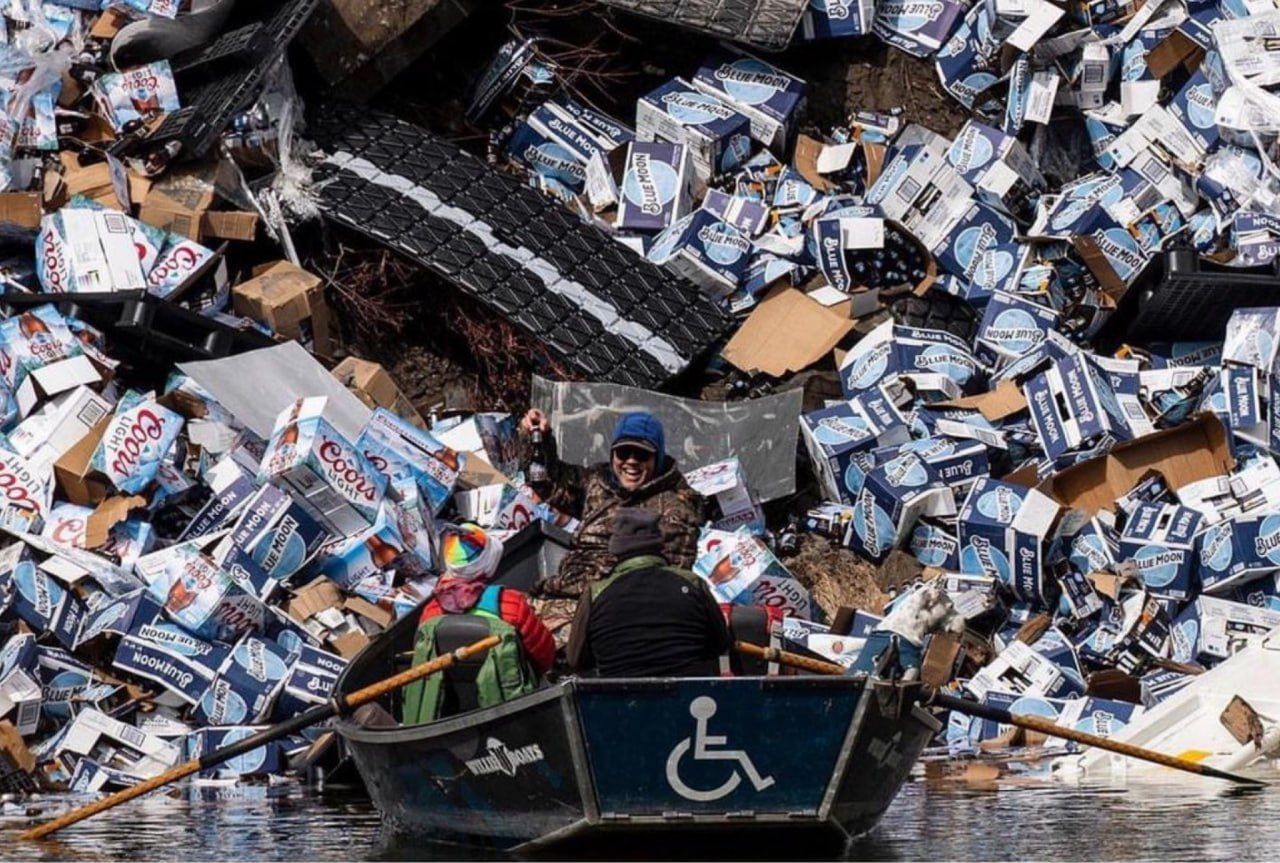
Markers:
952,819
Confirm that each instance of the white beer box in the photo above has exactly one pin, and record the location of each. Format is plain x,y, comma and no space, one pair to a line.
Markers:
1211,629
725,481
322,470
770,98
118,745
716,135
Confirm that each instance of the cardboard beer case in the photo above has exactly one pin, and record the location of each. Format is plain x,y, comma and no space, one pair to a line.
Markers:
327,474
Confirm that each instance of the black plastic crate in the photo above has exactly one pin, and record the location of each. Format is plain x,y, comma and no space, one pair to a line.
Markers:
148,329
1194,299
216,81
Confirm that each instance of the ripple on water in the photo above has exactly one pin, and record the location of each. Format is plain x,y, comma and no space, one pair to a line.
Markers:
1164,820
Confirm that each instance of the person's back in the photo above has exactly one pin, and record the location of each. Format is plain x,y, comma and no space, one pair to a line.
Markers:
647,619
513,667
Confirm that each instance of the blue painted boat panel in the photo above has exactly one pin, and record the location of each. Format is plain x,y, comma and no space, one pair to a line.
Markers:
643,747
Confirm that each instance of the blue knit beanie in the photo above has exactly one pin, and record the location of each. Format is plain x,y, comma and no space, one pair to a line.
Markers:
643,429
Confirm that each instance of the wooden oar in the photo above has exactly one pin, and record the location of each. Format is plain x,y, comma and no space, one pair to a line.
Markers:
995,714
336,706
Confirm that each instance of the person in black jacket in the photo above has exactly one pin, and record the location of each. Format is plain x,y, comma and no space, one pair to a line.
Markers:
646,618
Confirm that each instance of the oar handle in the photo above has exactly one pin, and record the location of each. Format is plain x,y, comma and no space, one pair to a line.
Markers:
995,714
786,657
171,775
337,705
1052,729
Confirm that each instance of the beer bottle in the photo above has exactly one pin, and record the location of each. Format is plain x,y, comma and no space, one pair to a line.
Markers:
382,553
179,597
447,457
30,325
538,464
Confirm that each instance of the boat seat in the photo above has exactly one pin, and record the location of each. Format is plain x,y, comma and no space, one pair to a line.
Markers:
459,679
752,624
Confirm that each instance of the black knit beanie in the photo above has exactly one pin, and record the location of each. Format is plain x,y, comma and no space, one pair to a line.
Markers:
635,532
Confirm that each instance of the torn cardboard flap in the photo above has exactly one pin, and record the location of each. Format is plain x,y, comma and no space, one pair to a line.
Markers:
22,209
79,482
313,598
109,513
808,152
369,611
1108,584
94,182
786,333
1191,452
1004,401
373,385
478,473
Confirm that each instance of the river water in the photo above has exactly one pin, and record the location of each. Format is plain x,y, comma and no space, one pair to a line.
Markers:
952,819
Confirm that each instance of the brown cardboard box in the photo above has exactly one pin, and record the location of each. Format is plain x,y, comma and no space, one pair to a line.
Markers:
374,386
313,598
1191,452
379,616
229,225
94,182
180,214
787,332
22,209
189,212
80,483
290,301
349,643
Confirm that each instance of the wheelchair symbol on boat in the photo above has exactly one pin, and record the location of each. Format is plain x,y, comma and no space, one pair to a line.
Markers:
702,709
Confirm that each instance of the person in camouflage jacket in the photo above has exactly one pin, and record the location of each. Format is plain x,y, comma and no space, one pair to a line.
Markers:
638,474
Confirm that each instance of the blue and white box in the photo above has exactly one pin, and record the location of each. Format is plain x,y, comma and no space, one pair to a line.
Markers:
837,19
919,27
749,216
1020,669
1093,548
959,463
1210,629
934,361
1239,550
1012,327
657,186
769,97
934,545
836,434
1073,407
705,250
561,138
1103,717
1010,533
1251,375
1161,541
894,494
717,135
272,540
995,164
975,231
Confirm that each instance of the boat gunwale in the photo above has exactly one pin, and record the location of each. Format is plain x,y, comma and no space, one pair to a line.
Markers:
566,689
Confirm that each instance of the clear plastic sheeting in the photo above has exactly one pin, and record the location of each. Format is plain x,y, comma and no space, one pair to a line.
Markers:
761,432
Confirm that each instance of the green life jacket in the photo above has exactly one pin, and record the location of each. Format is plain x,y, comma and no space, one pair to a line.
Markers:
504,672
644,561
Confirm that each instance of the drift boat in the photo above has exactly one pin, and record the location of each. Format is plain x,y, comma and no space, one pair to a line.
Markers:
747,763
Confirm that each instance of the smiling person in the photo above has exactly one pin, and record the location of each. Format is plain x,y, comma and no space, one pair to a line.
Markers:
639,473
